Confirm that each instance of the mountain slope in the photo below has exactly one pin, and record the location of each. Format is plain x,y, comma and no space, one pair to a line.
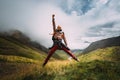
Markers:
17,43
106,54
14,48
114,41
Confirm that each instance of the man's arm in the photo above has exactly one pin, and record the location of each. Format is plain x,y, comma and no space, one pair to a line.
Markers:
64,38
53,22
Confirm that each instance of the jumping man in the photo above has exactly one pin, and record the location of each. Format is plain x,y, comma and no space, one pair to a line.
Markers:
57,38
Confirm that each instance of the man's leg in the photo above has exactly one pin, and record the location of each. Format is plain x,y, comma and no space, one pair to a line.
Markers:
50,54
70,53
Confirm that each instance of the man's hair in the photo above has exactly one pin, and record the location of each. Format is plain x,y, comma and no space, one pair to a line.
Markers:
59,27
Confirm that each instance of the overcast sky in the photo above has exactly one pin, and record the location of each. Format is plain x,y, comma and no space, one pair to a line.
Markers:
83,21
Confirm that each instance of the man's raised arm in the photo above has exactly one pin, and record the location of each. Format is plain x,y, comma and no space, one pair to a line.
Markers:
53,22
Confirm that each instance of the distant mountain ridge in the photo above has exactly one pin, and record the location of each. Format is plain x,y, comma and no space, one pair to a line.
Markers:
109,42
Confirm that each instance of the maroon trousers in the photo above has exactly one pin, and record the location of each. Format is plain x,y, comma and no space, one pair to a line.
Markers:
53,49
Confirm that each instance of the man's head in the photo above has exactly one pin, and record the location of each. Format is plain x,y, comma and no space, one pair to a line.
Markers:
59,28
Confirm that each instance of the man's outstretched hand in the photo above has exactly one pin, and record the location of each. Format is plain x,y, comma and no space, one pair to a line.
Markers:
53,15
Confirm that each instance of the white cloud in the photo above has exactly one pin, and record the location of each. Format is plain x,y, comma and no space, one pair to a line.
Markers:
103,1
34,18
70,4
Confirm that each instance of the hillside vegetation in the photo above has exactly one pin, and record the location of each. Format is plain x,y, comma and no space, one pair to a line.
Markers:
14,48
106,54
101,64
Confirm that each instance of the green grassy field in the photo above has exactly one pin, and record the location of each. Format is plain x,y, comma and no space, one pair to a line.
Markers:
92,66
20,62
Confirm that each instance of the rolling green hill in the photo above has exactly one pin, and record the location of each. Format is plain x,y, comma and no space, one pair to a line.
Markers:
14,48
109,54
101,64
